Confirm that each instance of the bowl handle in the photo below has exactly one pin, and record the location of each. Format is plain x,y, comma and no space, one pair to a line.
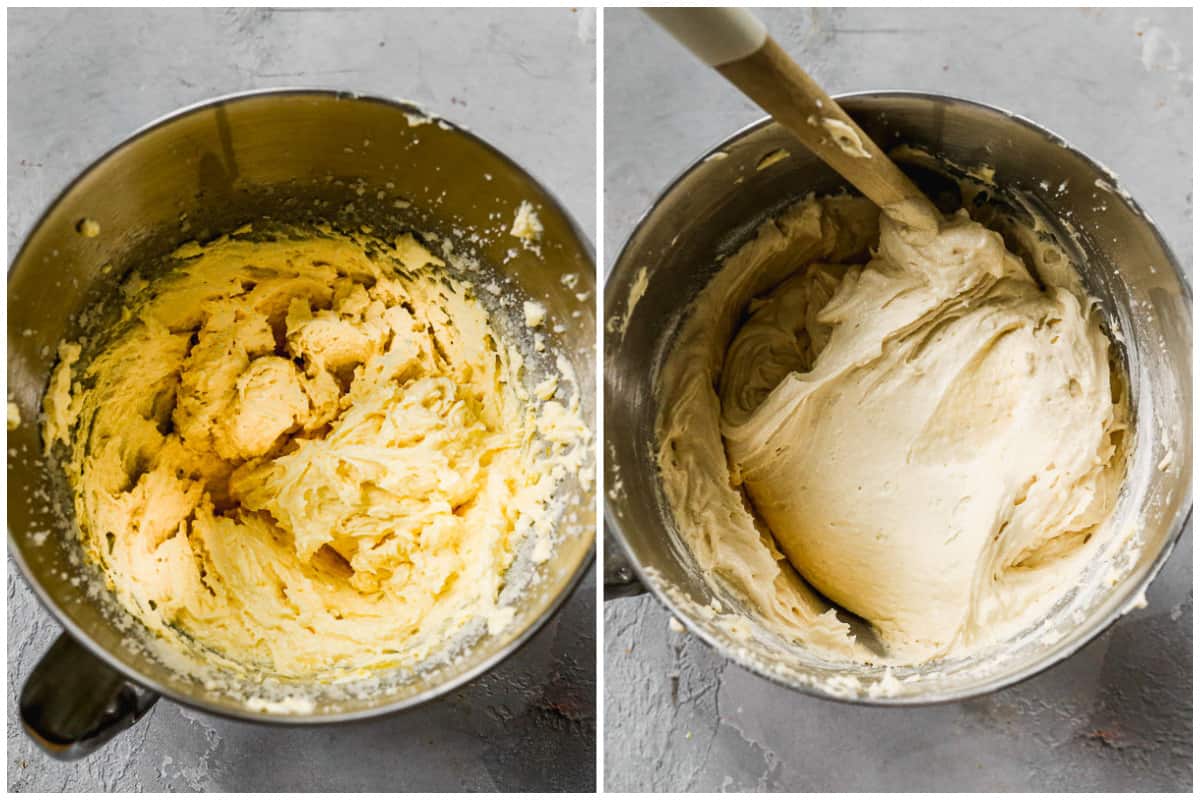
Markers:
619,578
73,703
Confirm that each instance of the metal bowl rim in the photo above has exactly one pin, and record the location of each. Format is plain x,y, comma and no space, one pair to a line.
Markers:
1178,524
296,720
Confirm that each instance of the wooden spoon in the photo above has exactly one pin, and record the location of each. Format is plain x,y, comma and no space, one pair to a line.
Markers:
736,44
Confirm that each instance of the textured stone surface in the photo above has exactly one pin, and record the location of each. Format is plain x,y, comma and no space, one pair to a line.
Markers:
1117,716
82,80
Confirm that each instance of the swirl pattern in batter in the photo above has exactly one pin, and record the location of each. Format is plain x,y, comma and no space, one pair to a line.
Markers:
905,421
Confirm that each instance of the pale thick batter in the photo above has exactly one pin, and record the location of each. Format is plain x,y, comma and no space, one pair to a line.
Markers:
313,456
932,439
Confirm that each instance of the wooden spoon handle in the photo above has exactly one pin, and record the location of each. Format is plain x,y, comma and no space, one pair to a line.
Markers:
736,44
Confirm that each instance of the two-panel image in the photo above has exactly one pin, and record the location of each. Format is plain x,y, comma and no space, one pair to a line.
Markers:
599,400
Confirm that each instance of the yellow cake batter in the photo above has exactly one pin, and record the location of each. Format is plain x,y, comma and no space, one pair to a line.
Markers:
901,419
309,456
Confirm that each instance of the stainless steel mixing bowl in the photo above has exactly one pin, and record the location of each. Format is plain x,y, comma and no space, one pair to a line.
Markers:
714,207
293,156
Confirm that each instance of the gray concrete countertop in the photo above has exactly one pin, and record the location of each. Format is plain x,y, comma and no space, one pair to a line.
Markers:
1118,715
79,81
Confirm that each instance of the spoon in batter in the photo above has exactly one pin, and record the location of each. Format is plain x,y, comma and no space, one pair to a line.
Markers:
934,438
736,44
